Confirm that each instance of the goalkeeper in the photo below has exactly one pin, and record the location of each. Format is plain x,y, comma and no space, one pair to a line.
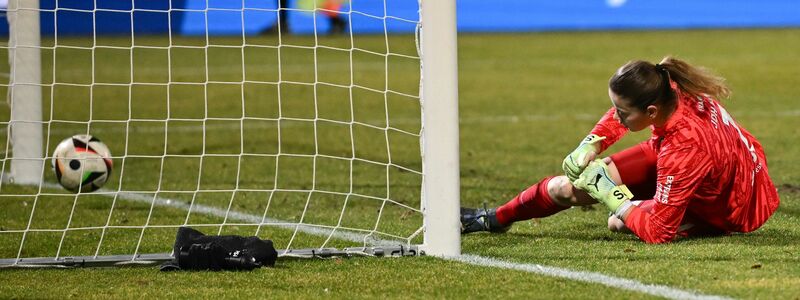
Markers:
699,174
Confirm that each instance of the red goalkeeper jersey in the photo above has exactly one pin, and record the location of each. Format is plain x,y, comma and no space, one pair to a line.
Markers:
707,165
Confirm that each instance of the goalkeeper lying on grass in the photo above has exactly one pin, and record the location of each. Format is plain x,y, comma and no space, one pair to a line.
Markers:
699,173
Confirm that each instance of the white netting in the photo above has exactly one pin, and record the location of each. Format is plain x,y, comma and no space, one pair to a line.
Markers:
217,122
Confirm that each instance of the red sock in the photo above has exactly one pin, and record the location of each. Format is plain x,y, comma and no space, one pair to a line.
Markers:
534,202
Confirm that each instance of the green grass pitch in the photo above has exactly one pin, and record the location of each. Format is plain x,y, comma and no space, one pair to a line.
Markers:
525,101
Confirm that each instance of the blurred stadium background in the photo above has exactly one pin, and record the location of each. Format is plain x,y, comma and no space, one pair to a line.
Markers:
224,17
532,83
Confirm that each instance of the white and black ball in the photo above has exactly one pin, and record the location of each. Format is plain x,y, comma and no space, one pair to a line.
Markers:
82,163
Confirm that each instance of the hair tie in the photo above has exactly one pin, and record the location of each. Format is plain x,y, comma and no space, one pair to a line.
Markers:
661,68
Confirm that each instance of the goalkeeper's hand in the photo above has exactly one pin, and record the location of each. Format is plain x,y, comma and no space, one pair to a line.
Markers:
597,181
576,161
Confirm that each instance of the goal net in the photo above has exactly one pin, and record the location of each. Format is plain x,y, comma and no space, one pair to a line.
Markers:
306,124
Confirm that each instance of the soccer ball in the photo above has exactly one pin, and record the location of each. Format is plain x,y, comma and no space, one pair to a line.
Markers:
82,163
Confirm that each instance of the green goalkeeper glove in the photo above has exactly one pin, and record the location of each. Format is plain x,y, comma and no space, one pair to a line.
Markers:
576,161
596,181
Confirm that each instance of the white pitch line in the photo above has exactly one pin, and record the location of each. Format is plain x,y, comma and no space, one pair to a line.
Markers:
588,277
233,124
583,276
340,233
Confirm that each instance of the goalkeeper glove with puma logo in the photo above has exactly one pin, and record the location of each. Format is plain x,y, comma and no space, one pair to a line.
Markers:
596,180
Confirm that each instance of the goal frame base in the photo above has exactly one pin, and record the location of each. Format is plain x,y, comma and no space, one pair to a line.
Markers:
158,258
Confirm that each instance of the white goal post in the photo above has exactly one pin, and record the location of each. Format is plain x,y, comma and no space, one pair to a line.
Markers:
441,196
342,144
25,126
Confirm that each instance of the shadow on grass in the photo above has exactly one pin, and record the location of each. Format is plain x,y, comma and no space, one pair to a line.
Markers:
764,236
758,238
586,239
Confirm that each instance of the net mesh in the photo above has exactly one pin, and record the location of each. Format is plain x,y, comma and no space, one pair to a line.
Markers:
219,119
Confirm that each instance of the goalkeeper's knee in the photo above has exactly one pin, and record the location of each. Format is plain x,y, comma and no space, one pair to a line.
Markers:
563,193
560,191
616,225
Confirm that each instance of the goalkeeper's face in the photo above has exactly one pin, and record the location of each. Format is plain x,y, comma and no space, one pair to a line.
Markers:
631,117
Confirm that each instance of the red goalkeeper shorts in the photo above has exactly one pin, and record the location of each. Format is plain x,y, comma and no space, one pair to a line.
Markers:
637,169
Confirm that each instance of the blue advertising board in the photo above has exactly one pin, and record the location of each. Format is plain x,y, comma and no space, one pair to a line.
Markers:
227,17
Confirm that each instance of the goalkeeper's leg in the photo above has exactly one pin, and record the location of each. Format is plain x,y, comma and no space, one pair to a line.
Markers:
545,198
550,196
534,202
634,166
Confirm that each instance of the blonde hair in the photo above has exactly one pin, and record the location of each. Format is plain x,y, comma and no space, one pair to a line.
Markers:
695,80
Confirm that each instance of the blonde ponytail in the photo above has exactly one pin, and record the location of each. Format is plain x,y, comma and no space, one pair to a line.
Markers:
695,80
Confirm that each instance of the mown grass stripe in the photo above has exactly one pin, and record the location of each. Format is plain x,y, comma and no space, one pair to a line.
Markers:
502,119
